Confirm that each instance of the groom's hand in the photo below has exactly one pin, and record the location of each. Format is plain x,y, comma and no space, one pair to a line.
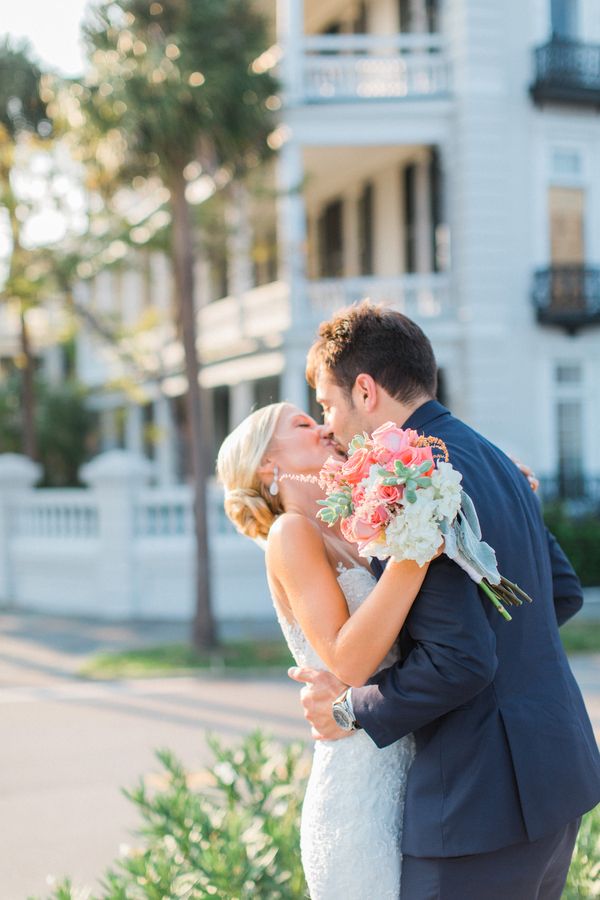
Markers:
320,690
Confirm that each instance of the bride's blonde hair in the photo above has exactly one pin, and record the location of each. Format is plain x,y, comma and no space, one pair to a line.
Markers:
248,503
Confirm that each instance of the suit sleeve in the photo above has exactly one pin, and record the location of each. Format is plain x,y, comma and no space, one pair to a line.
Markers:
454,658
566,587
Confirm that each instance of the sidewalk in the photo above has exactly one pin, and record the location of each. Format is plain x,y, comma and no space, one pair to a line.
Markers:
40,650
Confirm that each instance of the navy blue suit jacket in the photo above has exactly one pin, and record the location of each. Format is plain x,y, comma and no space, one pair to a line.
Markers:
505,749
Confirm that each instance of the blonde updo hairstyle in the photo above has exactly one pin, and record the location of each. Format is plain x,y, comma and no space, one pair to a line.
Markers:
248,503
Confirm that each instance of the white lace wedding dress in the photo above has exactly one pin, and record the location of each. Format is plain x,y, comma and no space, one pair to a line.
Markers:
352,814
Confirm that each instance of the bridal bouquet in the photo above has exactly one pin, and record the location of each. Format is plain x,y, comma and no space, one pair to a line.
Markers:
398,500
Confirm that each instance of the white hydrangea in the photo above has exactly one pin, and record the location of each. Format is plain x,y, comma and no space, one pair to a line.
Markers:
445,481
414,533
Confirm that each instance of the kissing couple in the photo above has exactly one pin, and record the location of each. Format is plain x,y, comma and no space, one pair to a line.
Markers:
453,755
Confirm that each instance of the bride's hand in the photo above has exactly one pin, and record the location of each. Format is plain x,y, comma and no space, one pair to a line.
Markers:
528,472
320,689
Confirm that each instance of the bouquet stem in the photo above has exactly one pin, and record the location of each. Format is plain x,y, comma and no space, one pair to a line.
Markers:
487,589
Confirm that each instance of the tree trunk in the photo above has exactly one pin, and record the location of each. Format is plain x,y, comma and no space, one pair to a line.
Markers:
198,412
28,392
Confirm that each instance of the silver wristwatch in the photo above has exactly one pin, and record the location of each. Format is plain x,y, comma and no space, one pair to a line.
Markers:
343,712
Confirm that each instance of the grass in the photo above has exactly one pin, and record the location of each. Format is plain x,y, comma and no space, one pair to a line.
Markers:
256,655
581,637
182,659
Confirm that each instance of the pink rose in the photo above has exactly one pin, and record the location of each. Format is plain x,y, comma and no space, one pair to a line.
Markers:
358,465
390,437
415,456
383,455
380,516
389,493
357,531
358,495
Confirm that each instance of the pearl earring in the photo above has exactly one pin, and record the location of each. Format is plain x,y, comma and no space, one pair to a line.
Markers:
274,488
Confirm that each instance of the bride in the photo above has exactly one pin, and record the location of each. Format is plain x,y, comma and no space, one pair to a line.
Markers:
335,615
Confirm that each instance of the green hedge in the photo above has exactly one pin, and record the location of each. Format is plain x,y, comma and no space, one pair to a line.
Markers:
232,832
580,539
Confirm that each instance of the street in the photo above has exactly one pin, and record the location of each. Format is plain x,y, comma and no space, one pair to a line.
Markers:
69,745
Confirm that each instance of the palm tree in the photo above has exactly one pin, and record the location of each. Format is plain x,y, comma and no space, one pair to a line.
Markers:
173,83
23,119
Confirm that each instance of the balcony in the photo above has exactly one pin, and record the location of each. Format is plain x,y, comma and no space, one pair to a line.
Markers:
418,296
567,72
363,67
567,296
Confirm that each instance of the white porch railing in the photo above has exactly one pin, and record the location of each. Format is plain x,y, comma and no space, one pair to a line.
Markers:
417,296
366,66
119,549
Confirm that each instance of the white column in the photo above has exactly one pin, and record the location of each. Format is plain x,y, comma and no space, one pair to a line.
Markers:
418,16
165,444
116,478
239,241
290,34
423,216
241,400
292,229
134,429
18,474
108,429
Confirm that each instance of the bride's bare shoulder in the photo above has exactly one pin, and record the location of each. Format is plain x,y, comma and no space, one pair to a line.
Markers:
293,532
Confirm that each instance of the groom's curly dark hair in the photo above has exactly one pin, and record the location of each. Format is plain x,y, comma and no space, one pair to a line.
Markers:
380,342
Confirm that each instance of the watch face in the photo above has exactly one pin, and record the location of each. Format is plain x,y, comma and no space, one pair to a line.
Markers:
342,718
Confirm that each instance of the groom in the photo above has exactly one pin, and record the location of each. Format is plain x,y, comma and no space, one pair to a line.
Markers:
506,758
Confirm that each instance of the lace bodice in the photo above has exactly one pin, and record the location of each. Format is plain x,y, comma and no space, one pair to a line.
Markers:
356,583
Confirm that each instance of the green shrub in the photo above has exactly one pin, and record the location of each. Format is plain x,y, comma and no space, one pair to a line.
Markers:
584,874
235,836
580,539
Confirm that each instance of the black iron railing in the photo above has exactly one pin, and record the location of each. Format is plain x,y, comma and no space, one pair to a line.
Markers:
567,296
571,486
567,72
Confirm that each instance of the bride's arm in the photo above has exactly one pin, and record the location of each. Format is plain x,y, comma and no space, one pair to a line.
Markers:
351,646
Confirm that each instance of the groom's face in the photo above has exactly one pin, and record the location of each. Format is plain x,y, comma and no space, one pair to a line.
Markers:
340,416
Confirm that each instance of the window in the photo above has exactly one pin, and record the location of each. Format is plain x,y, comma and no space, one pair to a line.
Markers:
409,194
220,405
266,390
566,163
569,420
563,14
365,230
568,373
330,230
566,208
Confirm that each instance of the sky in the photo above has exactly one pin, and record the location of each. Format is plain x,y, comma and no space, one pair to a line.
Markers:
52,28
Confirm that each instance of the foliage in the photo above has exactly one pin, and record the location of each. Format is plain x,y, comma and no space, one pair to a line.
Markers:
580,538
581,636
584,874
63,426
232,833
176,659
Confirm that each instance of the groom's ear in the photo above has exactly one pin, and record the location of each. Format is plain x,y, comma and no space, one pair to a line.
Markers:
364,392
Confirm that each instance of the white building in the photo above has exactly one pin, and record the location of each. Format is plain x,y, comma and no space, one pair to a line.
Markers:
443,157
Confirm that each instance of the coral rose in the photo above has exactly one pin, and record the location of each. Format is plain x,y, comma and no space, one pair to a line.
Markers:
358,465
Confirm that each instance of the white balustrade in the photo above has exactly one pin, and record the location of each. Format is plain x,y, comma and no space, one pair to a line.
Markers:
363,67
417,296
119,549
53,513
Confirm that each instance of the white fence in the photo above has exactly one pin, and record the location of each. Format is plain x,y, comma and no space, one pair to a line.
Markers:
118,549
